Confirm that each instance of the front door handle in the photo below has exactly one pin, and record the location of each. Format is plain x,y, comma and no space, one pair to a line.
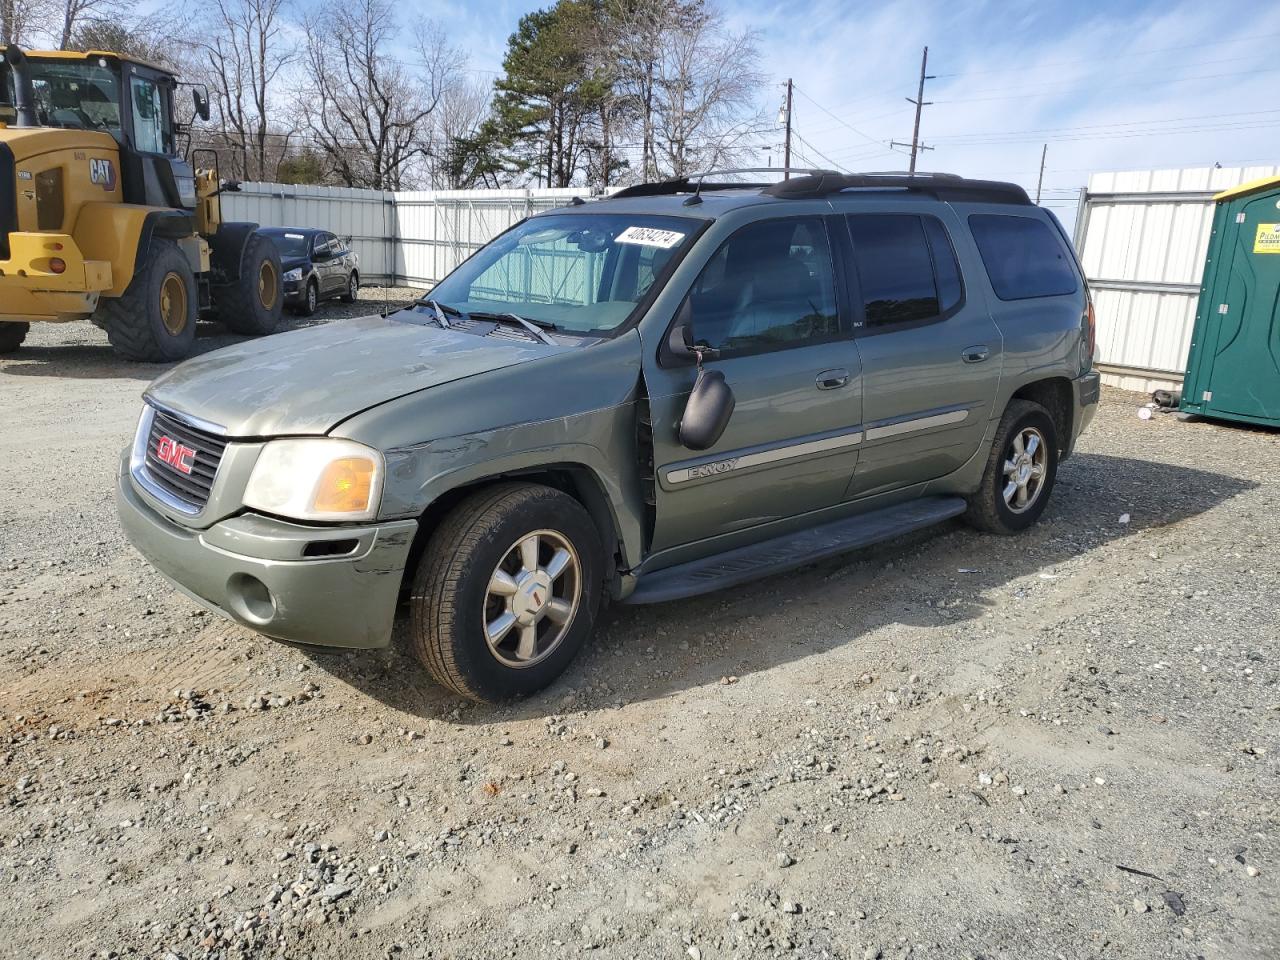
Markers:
975,354
832,379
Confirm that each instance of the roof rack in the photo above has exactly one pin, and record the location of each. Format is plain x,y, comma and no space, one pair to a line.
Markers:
812,182
943,186
695,183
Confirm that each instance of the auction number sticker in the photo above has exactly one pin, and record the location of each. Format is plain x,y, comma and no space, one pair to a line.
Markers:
1267,239
650,237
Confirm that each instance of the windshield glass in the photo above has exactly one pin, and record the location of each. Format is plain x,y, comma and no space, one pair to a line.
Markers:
289,244
75,94
583,272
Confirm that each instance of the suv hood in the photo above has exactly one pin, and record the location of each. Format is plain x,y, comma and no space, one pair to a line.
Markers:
308,381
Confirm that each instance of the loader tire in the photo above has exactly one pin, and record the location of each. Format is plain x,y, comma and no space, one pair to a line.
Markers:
154,320
252,304
12,335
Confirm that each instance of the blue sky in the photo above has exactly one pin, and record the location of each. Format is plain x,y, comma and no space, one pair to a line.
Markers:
1131,84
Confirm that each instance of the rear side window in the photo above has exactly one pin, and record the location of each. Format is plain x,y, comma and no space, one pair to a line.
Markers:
906,268
1025,257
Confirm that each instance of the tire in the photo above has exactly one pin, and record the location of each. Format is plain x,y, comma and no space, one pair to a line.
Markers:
353,288
12,335
154,320
310,299
253,304
990,509
452,604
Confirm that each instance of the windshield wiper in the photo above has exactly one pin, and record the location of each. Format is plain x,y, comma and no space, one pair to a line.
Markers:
439,310
537,327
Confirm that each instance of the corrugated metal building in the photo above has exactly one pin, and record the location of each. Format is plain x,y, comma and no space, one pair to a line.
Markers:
1142,237
408,237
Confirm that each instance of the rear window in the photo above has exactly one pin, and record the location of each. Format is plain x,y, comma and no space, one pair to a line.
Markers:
1025,257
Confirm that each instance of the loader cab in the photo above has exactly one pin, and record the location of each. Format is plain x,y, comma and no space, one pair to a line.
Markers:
130,100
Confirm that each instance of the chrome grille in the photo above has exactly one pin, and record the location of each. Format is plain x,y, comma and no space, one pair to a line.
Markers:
192,488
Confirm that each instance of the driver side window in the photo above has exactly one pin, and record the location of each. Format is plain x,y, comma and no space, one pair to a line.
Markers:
770,286
150,121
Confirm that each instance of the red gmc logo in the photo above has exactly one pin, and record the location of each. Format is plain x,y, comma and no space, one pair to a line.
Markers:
176,455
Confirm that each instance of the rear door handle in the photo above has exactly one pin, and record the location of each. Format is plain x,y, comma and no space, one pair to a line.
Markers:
832,379
975,354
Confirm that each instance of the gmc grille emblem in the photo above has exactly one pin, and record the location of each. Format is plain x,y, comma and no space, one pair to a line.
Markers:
175,454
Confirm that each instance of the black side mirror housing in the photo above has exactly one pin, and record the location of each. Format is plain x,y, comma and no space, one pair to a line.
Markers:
707,412
200,96
679,349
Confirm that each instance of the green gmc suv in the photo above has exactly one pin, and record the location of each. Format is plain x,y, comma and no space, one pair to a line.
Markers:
678,389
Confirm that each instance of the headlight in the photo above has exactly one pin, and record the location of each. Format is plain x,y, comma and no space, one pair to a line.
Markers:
317,478
294,274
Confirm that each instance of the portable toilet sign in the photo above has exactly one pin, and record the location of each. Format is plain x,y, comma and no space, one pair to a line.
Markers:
1233,367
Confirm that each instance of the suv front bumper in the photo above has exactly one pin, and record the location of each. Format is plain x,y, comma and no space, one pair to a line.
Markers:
256,571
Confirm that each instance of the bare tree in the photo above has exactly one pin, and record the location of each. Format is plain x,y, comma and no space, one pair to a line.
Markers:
705,114
21,21
246,50
370,114
77,14
462,110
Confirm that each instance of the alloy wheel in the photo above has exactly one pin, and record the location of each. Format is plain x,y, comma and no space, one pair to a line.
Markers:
1026,464
532,598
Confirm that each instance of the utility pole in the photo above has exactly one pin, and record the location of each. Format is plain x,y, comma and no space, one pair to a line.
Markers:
786,143
921,103
1040,183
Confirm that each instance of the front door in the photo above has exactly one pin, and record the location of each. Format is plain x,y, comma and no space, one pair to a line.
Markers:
931,354
1245,378
767,300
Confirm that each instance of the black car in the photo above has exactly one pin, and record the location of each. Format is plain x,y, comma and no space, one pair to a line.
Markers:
317,265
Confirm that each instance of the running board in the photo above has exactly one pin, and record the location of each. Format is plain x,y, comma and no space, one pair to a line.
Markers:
744,564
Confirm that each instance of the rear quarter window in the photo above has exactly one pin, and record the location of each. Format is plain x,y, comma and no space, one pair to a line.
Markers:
1025,257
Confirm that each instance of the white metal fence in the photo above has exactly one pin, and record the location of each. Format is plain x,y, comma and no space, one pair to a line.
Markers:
409,237
1142,238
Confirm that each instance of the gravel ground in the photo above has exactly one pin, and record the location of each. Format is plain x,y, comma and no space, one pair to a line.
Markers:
1058,745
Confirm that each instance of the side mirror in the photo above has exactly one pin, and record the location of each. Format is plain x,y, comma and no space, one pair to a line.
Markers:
680,349
201,98
707,412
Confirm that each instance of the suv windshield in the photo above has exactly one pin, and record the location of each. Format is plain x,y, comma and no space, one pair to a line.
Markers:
75,94
583,272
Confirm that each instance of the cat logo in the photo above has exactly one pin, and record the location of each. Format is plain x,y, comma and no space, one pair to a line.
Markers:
102,171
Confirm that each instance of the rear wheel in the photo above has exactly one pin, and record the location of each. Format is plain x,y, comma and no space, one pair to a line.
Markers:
154,320
353,288
12,335
253,304
1020,471
506,592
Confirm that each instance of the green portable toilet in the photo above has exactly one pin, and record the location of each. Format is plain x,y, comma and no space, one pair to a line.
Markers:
1233,367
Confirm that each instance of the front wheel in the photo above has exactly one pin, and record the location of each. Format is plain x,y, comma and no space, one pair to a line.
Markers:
310,299
506,591
154,320
1020,471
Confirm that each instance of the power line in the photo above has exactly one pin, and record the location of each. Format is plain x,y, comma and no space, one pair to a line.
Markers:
843,123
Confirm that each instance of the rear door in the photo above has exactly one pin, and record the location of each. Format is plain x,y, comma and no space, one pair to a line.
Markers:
768,300
931,354
1245,378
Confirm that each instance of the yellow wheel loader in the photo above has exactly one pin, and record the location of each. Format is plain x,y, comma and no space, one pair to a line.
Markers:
101,218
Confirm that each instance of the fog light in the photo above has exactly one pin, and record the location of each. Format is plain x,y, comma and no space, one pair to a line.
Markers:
57,265
249,597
